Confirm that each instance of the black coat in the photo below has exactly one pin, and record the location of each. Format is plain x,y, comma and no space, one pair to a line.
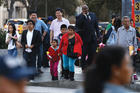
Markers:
86,28
36,40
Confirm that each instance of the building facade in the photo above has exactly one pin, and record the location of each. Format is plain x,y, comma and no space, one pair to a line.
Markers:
18,12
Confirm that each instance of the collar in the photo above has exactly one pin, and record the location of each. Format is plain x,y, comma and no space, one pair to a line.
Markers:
130,29
110,85
60,20
53,47
31,31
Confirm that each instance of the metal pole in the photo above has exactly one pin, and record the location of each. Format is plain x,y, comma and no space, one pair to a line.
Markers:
126,7
46,14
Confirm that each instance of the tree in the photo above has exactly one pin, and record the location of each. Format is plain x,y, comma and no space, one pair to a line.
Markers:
104,8
69,6
30,5
9,5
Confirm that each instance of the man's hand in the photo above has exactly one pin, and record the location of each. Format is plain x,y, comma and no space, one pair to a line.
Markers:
42,38
32,46
26,46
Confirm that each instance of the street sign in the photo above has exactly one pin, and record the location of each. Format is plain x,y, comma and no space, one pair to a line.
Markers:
137,6
137,15
137,18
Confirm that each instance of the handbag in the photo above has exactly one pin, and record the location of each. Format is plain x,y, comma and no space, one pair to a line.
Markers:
78,62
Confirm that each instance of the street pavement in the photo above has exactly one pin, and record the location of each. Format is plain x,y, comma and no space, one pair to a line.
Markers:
32,89
44,82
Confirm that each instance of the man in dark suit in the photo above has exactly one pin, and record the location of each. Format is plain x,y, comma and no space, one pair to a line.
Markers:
31,40
86,24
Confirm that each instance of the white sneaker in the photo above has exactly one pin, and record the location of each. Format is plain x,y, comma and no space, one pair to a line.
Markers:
31,81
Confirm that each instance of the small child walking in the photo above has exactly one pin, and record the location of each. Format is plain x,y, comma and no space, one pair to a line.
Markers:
53,57
63,31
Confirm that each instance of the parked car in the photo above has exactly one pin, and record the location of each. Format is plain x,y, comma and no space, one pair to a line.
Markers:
18,23
103,25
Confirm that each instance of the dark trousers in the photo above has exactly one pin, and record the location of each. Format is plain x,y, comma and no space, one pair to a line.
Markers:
30,59
88,54
62,73
40,56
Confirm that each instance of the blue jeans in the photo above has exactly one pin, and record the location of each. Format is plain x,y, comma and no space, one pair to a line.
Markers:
12,52
40,56
68,63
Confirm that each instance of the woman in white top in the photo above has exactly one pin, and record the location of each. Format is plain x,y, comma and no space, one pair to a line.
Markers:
11,39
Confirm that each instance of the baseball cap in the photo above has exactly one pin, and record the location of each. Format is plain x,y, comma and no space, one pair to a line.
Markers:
14,68
50,18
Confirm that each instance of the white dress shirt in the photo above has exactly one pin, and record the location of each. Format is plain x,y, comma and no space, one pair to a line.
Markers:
56,24
29,38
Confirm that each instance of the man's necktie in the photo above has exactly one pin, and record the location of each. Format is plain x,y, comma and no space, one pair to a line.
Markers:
88,18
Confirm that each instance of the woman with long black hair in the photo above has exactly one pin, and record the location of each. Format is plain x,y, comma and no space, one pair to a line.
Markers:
112,33
11,39
113,69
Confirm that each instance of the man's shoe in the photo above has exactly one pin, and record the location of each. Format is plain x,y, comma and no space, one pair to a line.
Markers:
40,71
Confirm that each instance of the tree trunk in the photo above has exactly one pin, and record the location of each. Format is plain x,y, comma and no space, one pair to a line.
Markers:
10,11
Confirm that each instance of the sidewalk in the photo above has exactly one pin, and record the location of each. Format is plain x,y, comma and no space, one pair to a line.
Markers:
44,80
32,89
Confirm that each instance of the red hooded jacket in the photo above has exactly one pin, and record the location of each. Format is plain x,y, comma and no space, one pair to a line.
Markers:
64,44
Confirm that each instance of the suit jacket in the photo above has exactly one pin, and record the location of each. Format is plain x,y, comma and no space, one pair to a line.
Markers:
86,28
36,40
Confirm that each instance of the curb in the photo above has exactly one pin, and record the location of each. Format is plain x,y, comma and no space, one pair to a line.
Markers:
59,84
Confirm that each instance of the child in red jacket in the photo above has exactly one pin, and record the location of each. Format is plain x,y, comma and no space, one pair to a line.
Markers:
52,54
71,48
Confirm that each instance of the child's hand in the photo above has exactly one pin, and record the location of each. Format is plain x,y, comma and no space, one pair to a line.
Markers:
59,54
47,52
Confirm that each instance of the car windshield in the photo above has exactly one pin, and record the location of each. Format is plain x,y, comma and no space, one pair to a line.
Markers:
16,22
104,25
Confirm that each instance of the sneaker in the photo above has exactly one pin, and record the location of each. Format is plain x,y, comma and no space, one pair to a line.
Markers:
52,77
31,81
40,71
135,77
55,77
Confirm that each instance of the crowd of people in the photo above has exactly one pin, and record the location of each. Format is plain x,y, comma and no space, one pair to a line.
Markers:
58,41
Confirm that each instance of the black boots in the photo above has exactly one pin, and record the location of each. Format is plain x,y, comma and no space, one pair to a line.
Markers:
66,74
54,78
71,76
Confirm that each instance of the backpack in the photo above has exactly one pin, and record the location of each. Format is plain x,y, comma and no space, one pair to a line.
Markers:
106,36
